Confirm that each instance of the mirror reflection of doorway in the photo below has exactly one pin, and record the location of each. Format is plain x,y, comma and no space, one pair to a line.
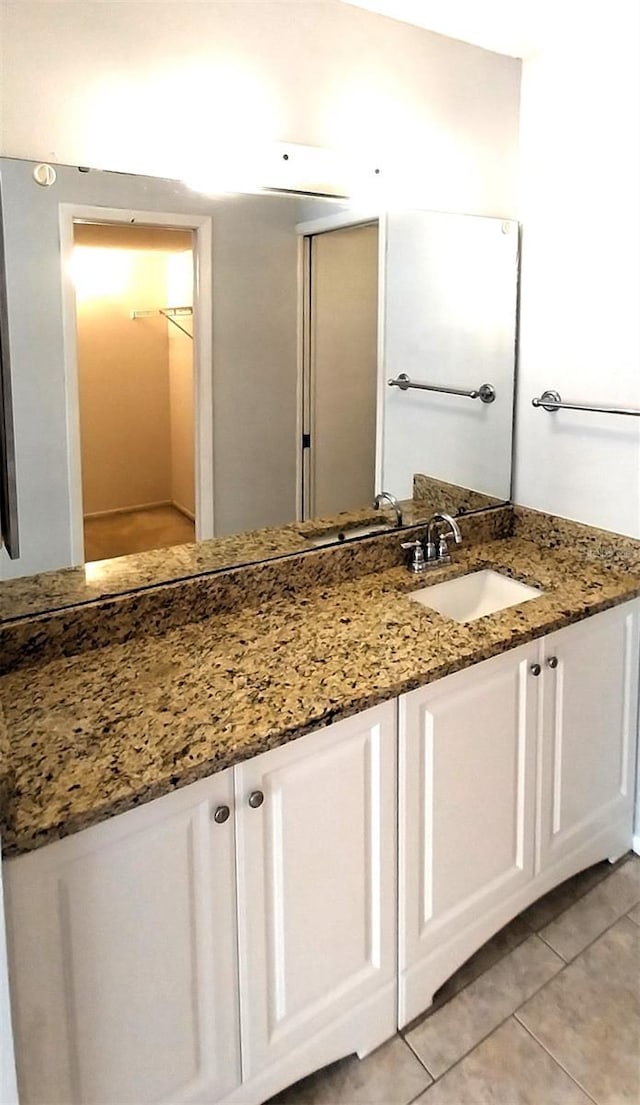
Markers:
134,311
340,378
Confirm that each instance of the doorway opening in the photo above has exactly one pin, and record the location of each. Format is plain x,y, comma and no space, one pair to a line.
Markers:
135,379
340,369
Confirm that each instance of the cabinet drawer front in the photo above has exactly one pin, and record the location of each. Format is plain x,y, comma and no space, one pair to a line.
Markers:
316,882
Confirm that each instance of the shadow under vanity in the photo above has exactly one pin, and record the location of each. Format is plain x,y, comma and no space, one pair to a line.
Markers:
253,819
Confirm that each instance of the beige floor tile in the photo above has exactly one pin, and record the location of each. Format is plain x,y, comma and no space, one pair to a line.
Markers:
450,1032
584,921
389,1076
588,1017
509,937
508,1068
546,909
634,914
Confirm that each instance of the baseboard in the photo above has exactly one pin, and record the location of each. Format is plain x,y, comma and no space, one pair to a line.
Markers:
128,509
183,510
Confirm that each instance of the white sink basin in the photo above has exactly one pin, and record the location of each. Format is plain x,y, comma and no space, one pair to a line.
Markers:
475,595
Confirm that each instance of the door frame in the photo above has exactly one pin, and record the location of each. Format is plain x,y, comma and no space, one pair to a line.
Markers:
70,213
305,231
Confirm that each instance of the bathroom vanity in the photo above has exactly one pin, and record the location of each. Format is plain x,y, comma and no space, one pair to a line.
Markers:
240,847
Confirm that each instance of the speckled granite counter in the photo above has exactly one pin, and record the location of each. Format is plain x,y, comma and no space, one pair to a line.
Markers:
98,732
28,596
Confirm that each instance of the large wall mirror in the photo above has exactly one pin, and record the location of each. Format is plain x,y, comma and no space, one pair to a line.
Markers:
220,365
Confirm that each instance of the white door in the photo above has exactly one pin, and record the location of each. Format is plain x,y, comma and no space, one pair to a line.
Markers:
342,378
316,889
467,790
589,724
122,955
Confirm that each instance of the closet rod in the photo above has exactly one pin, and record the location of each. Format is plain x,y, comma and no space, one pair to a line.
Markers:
169,313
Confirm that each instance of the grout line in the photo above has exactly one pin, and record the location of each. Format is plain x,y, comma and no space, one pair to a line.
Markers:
613,867
419,1095
421,1061
492,1030
531,932
428,1013
555,1059
552,949
616,920
564,964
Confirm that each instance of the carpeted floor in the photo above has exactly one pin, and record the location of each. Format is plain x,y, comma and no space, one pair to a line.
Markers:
135,531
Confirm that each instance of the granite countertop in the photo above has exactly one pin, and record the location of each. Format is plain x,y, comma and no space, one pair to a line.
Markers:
97,733
69,587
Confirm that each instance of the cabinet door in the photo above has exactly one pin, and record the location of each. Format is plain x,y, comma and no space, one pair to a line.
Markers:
588,746
316,887
123,957
8,1086
467,804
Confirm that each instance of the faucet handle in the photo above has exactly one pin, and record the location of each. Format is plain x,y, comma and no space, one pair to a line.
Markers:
417,562
443,556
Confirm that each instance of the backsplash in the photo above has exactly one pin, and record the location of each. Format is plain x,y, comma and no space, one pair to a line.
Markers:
552,532
438,495
152,611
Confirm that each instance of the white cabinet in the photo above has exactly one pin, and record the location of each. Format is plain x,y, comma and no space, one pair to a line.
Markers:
467,813
141,974
587,752
514,774
122,955
8,1085
317,897
221,942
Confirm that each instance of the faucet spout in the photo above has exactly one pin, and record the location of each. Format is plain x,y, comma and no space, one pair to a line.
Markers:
454,528
385,496
438,553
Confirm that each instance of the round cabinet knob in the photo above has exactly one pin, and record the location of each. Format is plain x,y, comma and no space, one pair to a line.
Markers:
535,669
221,815
552,662
256,798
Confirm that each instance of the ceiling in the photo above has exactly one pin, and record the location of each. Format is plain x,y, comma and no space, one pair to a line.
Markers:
515,27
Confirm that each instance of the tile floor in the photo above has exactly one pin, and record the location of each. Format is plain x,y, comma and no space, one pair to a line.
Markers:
546,1013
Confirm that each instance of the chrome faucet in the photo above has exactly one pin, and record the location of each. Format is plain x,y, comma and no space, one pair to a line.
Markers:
393,502
436,554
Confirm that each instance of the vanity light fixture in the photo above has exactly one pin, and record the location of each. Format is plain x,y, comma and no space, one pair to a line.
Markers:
287,167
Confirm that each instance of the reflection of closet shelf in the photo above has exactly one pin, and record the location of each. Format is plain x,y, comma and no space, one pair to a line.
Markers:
169,313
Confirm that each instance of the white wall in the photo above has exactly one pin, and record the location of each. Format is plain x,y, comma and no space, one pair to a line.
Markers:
123,376
579,329
166,88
